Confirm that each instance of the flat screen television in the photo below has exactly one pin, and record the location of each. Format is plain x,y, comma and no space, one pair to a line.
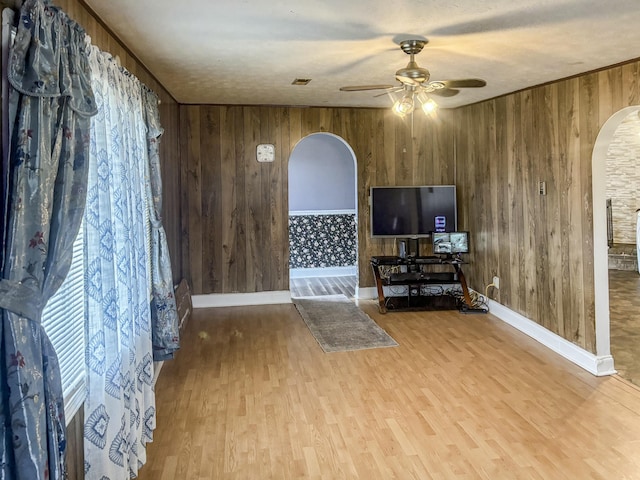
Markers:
413,211
450,243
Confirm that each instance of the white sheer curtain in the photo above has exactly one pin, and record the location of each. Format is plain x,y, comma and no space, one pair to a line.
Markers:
120,405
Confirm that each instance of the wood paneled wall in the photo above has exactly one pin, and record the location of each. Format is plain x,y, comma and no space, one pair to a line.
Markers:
236,210
496,152
541,246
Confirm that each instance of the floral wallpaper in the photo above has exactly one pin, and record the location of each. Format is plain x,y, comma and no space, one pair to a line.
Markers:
322,240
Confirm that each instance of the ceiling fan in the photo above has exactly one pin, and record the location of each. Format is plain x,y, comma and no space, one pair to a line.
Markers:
414,82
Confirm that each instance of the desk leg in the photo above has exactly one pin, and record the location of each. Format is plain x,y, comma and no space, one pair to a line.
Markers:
463,284
381,303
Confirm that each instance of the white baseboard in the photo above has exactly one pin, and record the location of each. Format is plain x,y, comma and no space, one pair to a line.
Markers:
322,272
596,365
241,299
157,366
366,293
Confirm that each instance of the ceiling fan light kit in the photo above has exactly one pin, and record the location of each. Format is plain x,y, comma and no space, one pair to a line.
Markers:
404,106
429,107
414,82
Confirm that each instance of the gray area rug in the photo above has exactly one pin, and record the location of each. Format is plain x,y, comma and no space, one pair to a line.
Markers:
339,325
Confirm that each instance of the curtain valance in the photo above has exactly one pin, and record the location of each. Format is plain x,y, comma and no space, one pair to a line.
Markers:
154,129
46,59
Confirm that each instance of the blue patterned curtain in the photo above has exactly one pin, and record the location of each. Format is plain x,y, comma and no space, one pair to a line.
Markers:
51,102
164,314
120,404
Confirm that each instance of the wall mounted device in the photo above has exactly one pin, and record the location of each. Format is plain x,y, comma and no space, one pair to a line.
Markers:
265,152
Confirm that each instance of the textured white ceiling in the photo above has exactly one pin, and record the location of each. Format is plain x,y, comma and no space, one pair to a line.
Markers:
249,51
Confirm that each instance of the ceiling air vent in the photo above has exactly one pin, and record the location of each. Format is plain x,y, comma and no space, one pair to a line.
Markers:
301,81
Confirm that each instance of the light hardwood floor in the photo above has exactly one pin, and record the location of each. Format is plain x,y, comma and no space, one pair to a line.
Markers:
319,286
252,396
624,296
624,317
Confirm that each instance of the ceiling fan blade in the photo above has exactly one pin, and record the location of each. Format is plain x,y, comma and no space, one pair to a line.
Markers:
358,62
392,90
465,83
359,88
445,92
532,15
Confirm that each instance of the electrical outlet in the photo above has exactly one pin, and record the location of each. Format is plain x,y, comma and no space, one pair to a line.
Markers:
496,282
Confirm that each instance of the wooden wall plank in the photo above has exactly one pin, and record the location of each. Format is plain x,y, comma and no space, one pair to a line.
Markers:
502,204
74,456
540,203
254,216
278,260
589,126
211,197
171,184
553,212
385,161
575,220
630,84
521,220
461,175
184,202
403,152
366,177
489,193
565,136
529,188
193,138
227,237
266,187
240,207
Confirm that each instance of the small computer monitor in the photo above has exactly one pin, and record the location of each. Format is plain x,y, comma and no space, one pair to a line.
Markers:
450,243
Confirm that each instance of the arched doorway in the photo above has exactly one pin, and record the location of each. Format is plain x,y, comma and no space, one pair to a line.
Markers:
600,240
323,241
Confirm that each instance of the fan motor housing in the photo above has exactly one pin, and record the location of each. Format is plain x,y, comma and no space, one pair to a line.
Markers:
413,73
413,47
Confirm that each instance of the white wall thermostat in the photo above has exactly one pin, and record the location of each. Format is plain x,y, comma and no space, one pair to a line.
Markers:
265,152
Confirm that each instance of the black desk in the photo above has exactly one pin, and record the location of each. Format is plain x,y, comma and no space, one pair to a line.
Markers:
418,273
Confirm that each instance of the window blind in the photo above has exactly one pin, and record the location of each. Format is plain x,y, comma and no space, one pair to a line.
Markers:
63,320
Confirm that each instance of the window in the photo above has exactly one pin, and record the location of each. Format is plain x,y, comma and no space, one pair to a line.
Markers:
63,320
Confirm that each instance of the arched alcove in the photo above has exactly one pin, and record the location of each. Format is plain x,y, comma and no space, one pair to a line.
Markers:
322,207
601,148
